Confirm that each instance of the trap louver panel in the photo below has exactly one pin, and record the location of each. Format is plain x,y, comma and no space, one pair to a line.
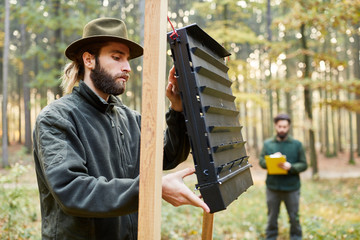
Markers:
212,120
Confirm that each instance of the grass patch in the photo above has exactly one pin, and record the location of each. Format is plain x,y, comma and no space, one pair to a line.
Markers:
19,211
329,209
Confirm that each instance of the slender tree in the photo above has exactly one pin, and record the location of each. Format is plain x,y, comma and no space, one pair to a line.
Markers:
18,77
356,50
339,118
55,42
269,38
5,154
308,102
25,84
351,159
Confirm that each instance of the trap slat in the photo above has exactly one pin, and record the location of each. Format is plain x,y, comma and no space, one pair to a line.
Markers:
217,129
216,93
222,111
207,57
212,120
229,146
213,76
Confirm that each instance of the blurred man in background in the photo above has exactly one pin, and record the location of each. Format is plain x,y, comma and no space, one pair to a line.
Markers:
284,187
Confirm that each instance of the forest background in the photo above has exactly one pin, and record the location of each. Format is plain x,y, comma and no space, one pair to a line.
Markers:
300,57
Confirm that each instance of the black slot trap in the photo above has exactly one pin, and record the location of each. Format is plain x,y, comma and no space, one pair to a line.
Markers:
212,120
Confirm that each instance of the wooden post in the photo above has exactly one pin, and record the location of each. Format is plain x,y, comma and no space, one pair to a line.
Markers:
152,120
207,227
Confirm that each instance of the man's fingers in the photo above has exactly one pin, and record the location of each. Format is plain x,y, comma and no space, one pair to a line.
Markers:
187,172
183,173
191,197
197,202
172,71
172,76
169,88
177,193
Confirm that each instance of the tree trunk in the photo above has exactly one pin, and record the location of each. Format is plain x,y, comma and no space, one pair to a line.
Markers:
356,51
288,108
268,29
289,73
326,124
339,119
142,24
246,113
57,37
322,123
332,116
263,116
351,150
335,137
26,88
19,84
255,133
308,105
351,159
5,154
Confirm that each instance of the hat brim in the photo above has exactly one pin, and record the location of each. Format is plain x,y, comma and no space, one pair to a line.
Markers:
72,50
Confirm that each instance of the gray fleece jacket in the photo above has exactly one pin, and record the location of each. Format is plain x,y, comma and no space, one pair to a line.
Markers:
87,153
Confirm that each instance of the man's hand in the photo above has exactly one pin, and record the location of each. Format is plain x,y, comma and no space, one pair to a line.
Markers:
172,92
286,166
175,192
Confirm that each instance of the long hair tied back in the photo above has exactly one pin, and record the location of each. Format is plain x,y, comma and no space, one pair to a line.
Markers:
72,74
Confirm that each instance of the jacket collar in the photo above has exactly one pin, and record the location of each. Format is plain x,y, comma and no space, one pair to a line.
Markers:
95,100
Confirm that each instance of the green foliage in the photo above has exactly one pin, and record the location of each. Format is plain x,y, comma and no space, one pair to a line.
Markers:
258,99
351,105
328,210
227,22
18,215
238,33
51,26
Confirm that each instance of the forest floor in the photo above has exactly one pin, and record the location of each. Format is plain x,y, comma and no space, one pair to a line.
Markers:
334,206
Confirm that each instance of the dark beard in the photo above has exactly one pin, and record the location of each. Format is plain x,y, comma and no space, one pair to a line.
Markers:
282,136
105,82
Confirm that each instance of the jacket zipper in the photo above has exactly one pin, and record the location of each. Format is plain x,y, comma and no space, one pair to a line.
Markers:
118,144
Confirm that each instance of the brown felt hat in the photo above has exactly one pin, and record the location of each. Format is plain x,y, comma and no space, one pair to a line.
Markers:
104,30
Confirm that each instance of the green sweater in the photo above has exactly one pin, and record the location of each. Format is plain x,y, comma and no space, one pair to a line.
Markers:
294,153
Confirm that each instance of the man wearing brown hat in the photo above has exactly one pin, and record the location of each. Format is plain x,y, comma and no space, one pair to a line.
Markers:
283,185
87,143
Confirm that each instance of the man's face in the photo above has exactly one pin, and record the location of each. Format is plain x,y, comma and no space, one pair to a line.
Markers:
112,69
282,128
